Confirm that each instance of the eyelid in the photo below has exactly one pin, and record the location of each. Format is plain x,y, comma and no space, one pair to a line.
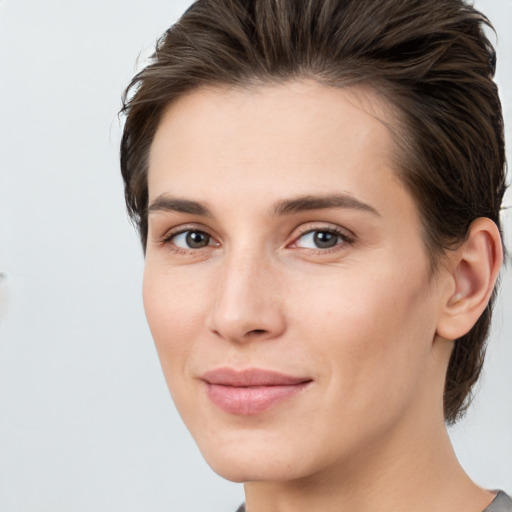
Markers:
308,227
181,228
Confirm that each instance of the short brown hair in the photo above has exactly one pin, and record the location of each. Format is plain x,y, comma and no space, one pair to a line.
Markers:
429,58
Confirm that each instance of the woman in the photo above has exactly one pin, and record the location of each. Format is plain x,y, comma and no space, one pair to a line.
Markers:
317,187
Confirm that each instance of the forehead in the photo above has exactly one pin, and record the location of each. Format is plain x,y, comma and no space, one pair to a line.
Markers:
294,134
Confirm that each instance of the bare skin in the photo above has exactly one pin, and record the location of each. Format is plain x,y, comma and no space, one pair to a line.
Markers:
280,239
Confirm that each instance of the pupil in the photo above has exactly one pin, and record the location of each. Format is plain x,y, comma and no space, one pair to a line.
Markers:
324,239
196,239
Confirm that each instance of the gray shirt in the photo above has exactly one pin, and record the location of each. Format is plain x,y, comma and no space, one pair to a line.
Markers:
502,503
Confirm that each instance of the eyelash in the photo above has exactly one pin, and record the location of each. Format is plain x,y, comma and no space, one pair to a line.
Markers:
167,240
343,237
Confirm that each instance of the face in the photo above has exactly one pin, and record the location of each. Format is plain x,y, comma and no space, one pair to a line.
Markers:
286,285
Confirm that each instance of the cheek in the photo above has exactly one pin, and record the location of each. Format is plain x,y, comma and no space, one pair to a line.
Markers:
374,331
174,307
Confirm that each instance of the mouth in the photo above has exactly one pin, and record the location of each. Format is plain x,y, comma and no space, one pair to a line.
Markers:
251,391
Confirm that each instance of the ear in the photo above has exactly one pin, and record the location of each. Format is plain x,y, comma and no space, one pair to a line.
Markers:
473,270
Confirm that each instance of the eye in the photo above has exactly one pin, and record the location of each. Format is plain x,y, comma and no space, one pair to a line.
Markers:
321,239
191,239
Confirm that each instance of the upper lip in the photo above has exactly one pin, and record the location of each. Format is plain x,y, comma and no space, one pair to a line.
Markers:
251,377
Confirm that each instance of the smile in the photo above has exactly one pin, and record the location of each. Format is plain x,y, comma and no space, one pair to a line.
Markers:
252,391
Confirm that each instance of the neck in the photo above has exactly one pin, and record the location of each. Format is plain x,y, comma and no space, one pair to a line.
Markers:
419,473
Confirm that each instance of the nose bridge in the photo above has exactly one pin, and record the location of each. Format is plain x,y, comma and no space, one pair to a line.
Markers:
246,303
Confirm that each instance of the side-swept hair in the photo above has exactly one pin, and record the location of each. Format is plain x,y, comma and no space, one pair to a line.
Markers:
429,58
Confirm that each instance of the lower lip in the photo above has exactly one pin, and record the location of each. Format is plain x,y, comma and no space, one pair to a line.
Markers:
248,401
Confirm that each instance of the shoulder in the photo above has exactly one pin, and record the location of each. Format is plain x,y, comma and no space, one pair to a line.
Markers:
502,503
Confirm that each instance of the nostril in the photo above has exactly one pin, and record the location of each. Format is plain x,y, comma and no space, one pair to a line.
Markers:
257,331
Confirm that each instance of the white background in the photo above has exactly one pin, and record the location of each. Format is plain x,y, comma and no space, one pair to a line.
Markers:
86,422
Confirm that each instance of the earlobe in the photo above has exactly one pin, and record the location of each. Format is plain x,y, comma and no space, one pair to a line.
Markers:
474,271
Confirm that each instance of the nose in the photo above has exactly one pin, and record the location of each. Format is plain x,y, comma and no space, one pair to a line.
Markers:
247,304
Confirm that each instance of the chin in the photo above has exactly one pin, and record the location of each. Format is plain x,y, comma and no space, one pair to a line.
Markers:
251,461
255,469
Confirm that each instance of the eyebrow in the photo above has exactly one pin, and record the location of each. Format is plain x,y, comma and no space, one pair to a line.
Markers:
311,202
174,204
284,207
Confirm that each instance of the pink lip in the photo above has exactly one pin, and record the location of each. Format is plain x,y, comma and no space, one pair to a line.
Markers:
249,392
